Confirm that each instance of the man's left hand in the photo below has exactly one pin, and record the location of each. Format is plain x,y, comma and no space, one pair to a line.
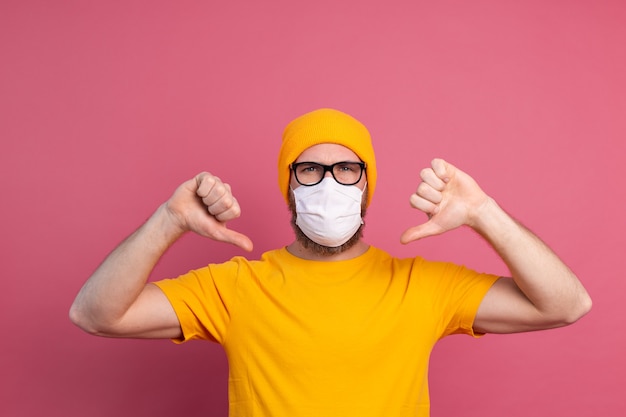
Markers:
449,197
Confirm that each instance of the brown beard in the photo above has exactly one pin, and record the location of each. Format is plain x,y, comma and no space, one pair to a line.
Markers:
315,247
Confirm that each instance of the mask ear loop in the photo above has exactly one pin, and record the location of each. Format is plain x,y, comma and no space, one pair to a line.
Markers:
362,194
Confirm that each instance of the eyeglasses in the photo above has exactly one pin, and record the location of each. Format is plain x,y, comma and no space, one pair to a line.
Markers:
312,173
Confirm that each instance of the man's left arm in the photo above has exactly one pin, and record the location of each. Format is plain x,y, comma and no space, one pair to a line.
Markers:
543,292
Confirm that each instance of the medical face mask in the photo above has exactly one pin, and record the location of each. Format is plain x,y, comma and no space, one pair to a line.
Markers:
328,213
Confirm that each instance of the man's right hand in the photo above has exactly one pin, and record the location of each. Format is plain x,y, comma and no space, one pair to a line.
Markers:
204,205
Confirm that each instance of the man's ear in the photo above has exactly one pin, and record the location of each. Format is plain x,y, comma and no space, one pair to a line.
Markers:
364,199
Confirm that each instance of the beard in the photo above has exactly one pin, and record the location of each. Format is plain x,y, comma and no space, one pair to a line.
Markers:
315,247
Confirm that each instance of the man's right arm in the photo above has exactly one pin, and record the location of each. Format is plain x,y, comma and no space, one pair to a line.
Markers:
116,300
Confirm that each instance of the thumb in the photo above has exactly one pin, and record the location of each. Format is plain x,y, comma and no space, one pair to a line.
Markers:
421,231
238,239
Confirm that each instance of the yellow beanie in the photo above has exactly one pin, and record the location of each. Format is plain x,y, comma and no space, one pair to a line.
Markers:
325,126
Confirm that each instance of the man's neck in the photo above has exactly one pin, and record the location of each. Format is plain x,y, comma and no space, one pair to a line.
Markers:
297,249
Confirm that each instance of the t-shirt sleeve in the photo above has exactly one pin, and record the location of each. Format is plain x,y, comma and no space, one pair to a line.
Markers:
455,294
202,301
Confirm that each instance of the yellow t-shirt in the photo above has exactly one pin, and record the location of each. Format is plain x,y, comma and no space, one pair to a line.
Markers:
345,338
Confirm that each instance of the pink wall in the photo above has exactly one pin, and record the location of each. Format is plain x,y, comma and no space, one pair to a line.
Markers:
105,107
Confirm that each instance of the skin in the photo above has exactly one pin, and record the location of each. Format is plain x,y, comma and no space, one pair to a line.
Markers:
541,293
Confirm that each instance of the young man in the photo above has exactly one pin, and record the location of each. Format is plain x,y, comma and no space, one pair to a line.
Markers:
329,325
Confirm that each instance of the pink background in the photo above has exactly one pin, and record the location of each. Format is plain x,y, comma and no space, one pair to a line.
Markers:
105,107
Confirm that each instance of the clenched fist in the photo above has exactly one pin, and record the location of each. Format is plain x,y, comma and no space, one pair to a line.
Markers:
203,205
449,197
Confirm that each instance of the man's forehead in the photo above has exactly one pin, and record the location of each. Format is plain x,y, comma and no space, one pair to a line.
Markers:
327,152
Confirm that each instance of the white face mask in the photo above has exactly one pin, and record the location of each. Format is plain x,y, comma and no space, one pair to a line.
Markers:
328,213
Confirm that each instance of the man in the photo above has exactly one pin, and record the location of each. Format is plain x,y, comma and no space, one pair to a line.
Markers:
328,325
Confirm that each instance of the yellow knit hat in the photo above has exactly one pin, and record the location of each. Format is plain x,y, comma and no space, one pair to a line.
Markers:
325,126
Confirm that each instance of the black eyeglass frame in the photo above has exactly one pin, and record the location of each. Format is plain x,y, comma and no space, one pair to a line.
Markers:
327,168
